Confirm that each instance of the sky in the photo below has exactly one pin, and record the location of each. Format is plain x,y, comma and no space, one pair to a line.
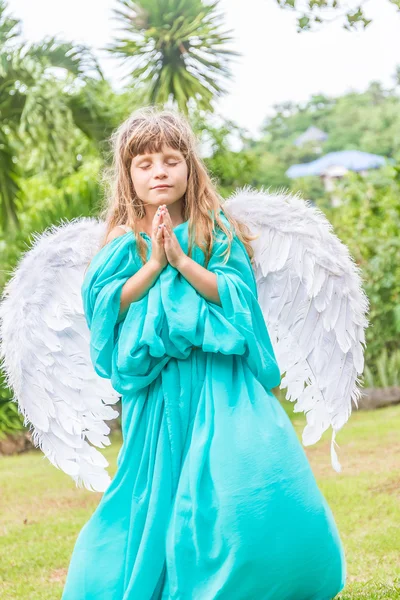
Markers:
276,65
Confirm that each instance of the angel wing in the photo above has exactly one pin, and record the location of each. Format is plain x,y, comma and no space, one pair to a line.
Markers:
309,289
45,352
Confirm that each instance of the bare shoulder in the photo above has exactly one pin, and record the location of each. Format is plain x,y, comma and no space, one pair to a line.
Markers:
116,232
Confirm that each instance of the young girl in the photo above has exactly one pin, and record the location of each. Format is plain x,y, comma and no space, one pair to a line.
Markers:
213,496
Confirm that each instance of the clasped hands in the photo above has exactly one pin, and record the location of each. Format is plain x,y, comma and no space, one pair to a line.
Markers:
165,246
166,249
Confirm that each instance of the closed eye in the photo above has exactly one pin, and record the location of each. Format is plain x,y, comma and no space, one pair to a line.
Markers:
169,164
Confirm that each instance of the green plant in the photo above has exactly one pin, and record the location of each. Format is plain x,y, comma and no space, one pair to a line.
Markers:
386,372
176,49
11,420
368,222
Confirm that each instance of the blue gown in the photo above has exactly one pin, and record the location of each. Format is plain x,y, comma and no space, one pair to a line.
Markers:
213,497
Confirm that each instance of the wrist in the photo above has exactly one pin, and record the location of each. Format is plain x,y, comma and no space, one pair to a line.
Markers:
154,266
183,263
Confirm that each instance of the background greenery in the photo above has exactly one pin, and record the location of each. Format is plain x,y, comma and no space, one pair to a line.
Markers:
57,111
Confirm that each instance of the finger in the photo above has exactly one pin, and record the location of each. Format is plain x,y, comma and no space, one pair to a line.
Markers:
167,215
168,221
156,220
159,234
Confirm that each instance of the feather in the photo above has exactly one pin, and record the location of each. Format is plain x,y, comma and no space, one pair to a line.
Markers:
44,348
310,292
308,288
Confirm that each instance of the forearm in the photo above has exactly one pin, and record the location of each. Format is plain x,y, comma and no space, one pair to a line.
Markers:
203,280
138,285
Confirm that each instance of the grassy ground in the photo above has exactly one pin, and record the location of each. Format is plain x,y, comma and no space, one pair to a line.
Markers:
42,511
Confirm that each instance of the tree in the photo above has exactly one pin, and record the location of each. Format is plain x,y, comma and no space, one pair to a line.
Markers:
367,121
44,101
175,48
368,222
312,13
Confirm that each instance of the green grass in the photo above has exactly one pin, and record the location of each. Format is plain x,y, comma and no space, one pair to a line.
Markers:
42,511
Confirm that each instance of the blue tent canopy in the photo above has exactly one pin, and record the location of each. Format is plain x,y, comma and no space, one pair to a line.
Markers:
354,160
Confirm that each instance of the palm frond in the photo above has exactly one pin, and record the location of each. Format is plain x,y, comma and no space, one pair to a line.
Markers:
177,49
8,182
9,27
77,59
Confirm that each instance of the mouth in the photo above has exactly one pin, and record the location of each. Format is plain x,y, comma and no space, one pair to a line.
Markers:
161,187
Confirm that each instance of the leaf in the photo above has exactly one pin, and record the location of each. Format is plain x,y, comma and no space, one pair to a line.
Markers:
304,22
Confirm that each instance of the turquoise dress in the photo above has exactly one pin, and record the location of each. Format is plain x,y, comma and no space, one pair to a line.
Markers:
213,497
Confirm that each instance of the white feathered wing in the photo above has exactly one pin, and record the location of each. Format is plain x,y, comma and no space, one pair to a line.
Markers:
310,292
45,352
308,287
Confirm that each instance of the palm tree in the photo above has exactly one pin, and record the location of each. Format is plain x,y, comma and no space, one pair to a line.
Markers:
175,49
42,91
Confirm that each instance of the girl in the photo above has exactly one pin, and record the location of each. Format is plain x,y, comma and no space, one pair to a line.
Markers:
213,495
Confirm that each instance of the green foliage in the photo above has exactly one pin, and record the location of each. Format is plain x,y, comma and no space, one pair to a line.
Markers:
368,222
270,172
37,127
312,14
57,111
367,121
311,188
229,169
43,203
54,142
11,420
175,49
387,371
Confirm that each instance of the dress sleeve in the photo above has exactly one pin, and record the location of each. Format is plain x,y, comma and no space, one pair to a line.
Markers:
237,290
174,317
101,292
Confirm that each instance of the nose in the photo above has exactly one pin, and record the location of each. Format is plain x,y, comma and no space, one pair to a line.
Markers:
159,170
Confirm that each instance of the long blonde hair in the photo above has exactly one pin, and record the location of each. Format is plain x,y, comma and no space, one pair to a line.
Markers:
146,130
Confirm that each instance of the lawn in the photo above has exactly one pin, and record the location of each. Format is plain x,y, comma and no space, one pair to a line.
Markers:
42,511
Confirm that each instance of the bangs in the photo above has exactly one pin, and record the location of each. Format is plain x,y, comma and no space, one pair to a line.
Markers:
149,138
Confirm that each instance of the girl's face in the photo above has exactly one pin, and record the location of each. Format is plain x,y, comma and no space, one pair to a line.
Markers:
165,168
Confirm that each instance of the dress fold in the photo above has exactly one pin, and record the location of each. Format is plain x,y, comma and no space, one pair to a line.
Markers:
213,497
